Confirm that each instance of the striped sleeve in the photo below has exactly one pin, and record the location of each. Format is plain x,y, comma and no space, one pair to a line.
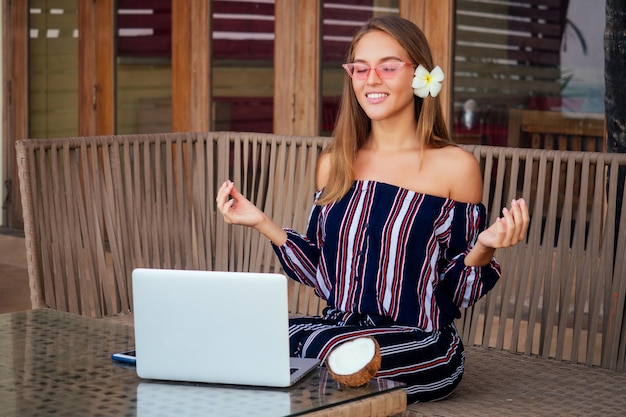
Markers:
464,285
300,254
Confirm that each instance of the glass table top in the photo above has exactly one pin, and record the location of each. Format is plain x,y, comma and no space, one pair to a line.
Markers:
55,363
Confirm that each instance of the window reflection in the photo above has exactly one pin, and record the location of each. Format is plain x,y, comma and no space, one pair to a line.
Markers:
528,56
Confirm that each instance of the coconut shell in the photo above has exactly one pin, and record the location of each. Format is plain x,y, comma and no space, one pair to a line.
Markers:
362,376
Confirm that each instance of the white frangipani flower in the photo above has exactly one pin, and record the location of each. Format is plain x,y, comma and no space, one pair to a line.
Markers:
426,82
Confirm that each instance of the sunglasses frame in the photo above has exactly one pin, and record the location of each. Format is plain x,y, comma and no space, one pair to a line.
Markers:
375,68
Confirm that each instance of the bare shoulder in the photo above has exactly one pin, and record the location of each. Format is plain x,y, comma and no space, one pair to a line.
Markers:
322,170
461,172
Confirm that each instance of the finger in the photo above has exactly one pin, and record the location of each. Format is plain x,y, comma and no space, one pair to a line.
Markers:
228,205
525,218
521,218
224,192
516,212
227,211
508,224
500,235
234,192
221,192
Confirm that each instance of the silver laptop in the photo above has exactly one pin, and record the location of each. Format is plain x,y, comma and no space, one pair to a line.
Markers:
215,327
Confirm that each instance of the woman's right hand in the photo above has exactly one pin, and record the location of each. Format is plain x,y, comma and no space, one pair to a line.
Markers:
235,208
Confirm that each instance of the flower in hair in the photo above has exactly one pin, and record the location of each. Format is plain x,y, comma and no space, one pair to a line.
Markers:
426,82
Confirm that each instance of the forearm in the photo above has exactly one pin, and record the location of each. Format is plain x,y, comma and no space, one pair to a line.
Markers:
505,232
272,231
479,255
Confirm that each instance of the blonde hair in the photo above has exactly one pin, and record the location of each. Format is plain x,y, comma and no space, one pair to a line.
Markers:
353,125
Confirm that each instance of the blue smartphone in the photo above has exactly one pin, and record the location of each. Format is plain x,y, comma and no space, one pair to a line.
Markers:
127,357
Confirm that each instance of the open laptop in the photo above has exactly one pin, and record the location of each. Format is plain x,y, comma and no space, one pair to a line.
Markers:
214,327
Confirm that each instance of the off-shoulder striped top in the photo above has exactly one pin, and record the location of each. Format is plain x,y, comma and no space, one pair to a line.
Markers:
391,253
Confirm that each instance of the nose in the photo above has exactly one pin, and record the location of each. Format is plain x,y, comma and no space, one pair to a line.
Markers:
372,76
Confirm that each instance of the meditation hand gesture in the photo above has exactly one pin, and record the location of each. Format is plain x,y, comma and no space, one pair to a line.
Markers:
506,231
237,209
509,229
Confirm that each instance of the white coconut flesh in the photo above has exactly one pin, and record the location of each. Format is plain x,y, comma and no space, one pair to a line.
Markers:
352,356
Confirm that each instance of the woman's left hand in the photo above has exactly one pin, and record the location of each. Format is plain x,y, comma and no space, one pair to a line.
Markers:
509,229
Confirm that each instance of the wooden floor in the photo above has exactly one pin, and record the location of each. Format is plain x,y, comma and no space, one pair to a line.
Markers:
14,292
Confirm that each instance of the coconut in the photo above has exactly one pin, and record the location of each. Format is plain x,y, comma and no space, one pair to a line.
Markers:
355,362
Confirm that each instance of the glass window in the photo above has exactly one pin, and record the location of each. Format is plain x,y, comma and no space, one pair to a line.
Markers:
144,66
542,56
53,68
243,65
582,57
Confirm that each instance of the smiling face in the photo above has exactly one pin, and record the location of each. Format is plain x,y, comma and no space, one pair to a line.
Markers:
388,99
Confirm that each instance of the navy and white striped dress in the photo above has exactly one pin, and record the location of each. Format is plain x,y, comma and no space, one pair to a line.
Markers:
390,264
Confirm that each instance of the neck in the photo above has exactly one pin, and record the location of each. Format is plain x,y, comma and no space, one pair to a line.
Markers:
392,137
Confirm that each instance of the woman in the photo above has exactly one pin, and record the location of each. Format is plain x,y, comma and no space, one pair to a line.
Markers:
396,242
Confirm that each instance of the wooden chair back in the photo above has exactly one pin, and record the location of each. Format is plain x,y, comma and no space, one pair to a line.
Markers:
562,291
97,207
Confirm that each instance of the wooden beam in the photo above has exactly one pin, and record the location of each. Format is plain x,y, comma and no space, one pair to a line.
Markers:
200,77
308,68
181,58
436,19
105,67
285,15
191,65
297,68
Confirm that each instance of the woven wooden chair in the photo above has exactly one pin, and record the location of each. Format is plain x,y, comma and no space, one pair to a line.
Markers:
559,306
97,207
562,292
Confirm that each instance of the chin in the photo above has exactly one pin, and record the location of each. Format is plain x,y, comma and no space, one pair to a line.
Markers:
376,116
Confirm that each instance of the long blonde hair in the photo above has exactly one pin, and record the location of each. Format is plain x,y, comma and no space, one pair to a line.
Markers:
353,125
